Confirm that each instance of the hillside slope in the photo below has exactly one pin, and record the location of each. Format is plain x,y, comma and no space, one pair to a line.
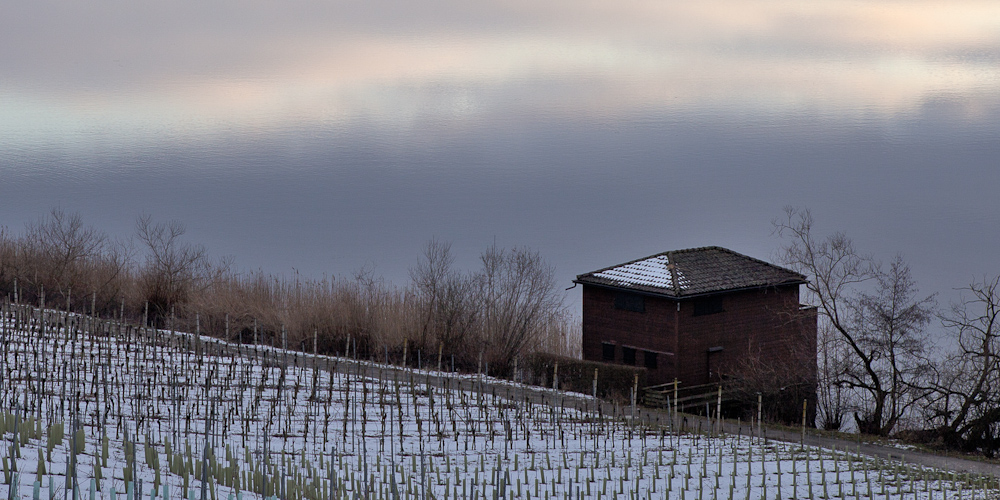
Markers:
117,409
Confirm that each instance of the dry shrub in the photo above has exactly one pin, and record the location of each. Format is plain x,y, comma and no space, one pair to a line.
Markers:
305,314
614,382
65,264
509,308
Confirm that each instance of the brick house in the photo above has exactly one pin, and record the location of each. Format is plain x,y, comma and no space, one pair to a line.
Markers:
702,315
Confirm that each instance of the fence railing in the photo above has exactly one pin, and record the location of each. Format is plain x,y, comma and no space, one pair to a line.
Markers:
684,397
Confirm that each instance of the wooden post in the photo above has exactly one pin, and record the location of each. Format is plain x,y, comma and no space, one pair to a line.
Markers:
805,403
406,345
555,376
71,480
760,405
69,296
595,383
635,394
708,416
676,408
718,410
41,311
315,341
440,354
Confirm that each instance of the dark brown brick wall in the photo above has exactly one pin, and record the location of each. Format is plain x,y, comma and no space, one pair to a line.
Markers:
652,329
766,323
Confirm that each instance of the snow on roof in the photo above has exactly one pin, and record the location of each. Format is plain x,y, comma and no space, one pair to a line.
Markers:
691,272
654,271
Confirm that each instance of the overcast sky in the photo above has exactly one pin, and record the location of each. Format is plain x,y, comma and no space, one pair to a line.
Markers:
321,137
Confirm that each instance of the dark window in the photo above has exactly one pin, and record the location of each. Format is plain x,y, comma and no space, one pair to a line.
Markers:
649,360
608,351
708,305
628,355
630,302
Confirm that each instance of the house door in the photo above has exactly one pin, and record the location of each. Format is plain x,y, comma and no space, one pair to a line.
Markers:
714,364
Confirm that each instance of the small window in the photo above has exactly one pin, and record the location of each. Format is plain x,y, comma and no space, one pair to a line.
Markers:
628,355
608,351
649,360
630,302
708,305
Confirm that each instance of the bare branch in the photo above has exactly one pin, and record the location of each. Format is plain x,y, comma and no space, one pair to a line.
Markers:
880,349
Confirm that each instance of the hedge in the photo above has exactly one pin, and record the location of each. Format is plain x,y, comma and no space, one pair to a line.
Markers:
614,382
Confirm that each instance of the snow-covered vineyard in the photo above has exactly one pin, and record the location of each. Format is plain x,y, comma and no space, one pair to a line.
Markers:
98,410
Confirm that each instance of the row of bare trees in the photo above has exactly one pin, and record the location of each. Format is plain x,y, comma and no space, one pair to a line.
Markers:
58,254
877,360
507,308
58,261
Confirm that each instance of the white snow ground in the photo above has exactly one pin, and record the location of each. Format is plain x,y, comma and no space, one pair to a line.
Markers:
151,406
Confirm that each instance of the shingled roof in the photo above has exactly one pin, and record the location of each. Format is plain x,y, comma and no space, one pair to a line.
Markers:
691,272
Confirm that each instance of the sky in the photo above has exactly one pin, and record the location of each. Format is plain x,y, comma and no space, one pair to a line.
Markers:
321,137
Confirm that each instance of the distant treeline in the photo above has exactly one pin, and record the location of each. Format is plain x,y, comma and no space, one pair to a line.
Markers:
509,307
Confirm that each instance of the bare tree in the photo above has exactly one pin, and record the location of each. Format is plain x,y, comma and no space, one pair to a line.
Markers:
890,331
74,264
879,319
111,275
447,298
8,261
61,245
519,299
831,363
966,401
172,269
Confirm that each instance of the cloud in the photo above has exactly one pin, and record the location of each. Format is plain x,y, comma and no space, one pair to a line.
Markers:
153,66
